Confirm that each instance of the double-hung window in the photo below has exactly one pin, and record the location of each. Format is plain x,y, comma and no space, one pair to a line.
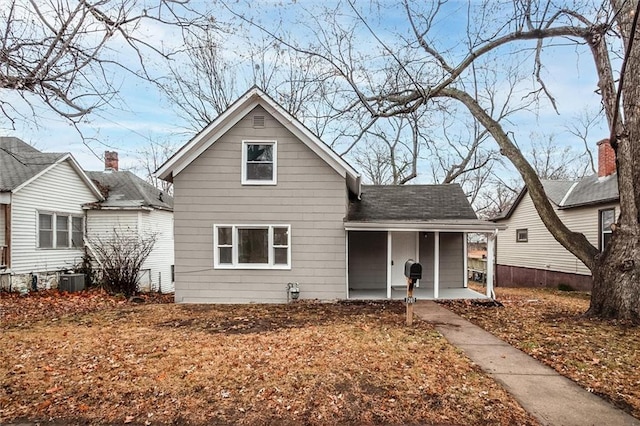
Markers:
60,230
607,218
252,246
259,162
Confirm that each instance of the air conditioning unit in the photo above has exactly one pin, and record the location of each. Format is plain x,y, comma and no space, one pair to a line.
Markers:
71,282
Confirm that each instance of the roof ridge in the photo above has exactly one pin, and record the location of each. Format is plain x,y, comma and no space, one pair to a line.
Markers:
564,199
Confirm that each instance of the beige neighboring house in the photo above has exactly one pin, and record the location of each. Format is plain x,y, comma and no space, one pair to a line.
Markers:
528,255
262,205
42,222
134,206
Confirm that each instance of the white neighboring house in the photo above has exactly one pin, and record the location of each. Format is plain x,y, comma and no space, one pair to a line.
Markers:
41,215
133,205
529,256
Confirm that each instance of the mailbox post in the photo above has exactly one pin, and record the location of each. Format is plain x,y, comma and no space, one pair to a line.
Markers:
413,272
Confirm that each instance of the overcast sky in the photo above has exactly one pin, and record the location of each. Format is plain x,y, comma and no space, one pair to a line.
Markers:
140,113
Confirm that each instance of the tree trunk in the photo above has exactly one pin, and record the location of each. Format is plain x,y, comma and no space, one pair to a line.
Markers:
616,276
616,279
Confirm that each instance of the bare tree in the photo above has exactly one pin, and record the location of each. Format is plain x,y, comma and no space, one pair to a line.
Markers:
61,53
390,155
496,197
151,157
551,161
429,69
581,127
121,254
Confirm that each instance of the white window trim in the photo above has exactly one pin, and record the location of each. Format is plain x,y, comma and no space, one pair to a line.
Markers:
54,230
602,229
234,247
246,181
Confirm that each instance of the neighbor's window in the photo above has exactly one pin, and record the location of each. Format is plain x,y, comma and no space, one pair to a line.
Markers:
45,230
259,165
522,235
60,230
252,246
77,232
607,218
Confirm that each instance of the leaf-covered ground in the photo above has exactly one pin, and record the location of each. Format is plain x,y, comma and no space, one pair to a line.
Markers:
98,360
602,356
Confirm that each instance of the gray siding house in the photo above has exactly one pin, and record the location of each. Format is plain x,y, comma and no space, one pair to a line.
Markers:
261,202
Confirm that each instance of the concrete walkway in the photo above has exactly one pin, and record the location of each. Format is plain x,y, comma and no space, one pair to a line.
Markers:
550,397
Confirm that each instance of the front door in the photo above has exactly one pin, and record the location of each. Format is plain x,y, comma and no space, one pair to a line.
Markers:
403,248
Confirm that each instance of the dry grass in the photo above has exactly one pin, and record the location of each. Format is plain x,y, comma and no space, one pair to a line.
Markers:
602,356
303,363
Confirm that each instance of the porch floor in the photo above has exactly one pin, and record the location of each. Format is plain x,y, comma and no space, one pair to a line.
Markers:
418,293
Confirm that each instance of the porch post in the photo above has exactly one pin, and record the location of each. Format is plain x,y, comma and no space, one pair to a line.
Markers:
491,247
465,257
417,258
346,247
436,264
389,260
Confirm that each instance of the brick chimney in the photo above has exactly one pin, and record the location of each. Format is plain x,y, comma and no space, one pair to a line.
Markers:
606,158
111,160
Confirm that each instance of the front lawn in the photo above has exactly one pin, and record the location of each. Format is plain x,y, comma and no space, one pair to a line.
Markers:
602,356
110,361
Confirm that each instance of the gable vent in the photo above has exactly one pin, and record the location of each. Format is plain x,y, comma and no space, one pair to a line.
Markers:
258,121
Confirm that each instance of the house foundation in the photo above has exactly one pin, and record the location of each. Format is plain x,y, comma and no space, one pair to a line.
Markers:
515,276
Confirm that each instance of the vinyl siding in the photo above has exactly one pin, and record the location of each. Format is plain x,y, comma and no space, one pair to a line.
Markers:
310,196
161,258
367,260
59,190
101,224
451,264
542,251
451,260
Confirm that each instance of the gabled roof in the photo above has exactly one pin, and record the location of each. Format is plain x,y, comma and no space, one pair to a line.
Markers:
20,164
238,110
124,190
410,203
566,194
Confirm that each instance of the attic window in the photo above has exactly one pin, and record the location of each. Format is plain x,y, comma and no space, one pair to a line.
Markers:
259,162
258,121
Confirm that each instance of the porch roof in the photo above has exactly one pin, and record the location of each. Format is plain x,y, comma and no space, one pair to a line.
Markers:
417,203
451,225
414,208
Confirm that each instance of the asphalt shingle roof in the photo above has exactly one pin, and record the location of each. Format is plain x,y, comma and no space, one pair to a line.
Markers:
556,189
592,190
20,162
124,189
567,194
410,203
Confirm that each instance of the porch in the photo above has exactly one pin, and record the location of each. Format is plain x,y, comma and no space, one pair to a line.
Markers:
376,257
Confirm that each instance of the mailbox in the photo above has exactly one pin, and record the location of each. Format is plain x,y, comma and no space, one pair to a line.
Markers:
412,270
